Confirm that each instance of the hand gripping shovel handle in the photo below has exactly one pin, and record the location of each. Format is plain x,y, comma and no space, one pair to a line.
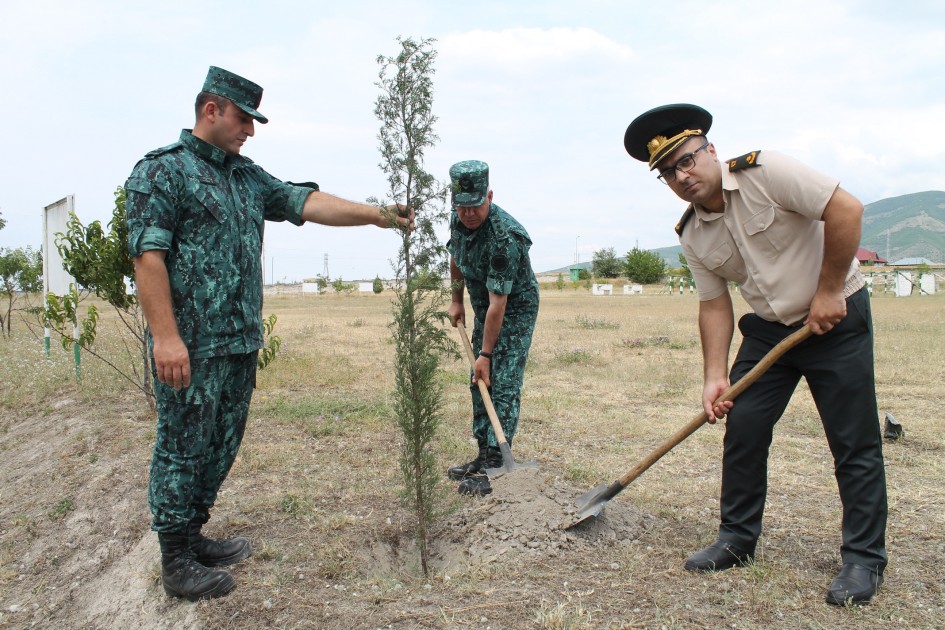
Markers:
486,398
729,394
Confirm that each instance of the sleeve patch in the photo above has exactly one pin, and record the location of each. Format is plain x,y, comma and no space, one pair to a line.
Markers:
499,263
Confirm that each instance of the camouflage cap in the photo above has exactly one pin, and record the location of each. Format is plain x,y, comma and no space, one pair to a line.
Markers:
469,183
244,93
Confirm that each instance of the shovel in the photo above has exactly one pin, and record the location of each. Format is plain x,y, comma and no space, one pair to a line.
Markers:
592,502
508,463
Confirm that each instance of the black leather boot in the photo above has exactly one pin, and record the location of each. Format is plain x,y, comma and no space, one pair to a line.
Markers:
217,553
462,471
183,576
478,484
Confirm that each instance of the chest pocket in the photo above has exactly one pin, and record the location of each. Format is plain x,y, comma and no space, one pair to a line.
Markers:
762,227
207,199
717,257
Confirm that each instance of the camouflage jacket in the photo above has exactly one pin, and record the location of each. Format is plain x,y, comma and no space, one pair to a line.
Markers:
206,210
494,258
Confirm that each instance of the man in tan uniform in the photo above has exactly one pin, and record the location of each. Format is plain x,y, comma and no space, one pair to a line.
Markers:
787,235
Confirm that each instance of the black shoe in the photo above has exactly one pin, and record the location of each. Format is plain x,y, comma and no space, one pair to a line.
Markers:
462,471
855,584
477,486
183,576
217,553
718,556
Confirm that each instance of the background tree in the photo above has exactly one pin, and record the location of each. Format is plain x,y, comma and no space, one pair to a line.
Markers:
559,282
101,265
378,286
21,273
404,108
684,265
644,267
606,264
340,286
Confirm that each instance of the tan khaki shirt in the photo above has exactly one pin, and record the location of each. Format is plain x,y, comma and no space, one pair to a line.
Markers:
769,240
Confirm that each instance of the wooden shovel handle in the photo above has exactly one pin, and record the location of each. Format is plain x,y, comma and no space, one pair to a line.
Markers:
486,398
729,394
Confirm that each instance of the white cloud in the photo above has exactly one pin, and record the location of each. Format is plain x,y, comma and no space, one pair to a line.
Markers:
542,90
517,50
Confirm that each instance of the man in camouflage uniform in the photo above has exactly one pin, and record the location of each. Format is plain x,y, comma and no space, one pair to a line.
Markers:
489,256
195,215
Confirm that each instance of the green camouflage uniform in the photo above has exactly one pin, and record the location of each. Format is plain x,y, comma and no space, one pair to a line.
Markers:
494,258
206,209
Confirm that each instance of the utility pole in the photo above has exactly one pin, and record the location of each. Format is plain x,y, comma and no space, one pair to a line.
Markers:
577,257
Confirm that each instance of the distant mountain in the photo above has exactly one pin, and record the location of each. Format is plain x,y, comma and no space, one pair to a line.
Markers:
898,227
906,226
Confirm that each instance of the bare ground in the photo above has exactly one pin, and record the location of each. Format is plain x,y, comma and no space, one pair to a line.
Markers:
333,549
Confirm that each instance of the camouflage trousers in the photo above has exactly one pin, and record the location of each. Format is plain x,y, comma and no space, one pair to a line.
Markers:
199,431
506,375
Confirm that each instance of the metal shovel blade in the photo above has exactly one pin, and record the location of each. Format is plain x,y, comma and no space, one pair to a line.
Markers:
593,501
508,463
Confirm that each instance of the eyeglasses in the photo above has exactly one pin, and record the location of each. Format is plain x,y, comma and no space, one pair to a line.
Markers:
683,164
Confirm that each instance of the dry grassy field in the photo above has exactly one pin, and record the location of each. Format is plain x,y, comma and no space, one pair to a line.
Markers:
316,486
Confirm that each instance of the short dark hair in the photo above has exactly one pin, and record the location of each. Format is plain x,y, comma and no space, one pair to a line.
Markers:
209,97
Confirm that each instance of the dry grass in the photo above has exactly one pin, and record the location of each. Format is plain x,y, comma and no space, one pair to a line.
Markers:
316,484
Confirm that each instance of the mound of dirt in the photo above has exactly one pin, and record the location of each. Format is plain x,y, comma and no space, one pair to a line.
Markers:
529,512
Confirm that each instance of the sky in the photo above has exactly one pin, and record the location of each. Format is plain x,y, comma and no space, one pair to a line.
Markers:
541,90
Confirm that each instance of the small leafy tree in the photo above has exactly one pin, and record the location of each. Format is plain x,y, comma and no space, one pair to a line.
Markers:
404,108
644,267
559,283
21,273
378,286
606,264
271,343
340,286
100,264
684,265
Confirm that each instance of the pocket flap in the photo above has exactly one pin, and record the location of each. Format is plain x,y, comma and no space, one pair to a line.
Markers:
717,257
760,221
205,196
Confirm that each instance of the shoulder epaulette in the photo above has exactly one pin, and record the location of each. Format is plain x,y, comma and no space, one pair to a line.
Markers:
744,161
163,150
684,219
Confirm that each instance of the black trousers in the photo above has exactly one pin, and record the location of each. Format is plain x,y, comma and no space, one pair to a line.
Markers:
838,367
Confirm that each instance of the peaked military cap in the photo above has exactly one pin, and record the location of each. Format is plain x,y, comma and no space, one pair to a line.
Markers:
655,134
244,93
469,183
